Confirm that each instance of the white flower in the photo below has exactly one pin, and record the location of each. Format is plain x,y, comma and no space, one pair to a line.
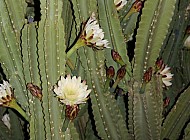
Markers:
5,93
6,120
71,91
93,35
166,76
120,3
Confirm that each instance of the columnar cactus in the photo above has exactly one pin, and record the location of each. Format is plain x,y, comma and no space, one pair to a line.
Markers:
124,69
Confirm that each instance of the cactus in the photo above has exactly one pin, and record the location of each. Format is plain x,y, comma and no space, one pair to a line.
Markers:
42,41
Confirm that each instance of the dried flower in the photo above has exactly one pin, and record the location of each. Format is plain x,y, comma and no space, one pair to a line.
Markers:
148,75
6,121
71,111
5,93
120,3
93,35
137,6
160,64
35,90
71,91
166,102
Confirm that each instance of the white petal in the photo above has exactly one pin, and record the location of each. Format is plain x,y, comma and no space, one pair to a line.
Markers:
93,33
72,91
167,83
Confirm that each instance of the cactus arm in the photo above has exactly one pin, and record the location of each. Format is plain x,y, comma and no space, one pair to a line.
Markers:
154,100
27,43
151,33
140,121
101,110
169,53
177,117
104,106
128,26
10,37
53,40
69,23
12,47
145,121
78,19
35,79
42,67
111,26
17,18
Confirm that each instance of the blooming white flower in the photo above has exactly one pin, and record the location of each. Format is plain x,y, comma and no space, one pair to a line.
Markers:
93,35
166,76
6,121
120,3
71,91
5,93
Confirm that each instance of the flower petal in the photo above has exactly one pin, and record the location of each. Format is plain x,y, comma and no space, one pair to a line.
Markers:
71,91
93,34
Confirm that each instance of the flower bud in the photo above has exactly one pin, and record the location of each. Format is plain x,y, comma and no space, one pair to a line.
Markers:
147,75
121,72
110,72
116,57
